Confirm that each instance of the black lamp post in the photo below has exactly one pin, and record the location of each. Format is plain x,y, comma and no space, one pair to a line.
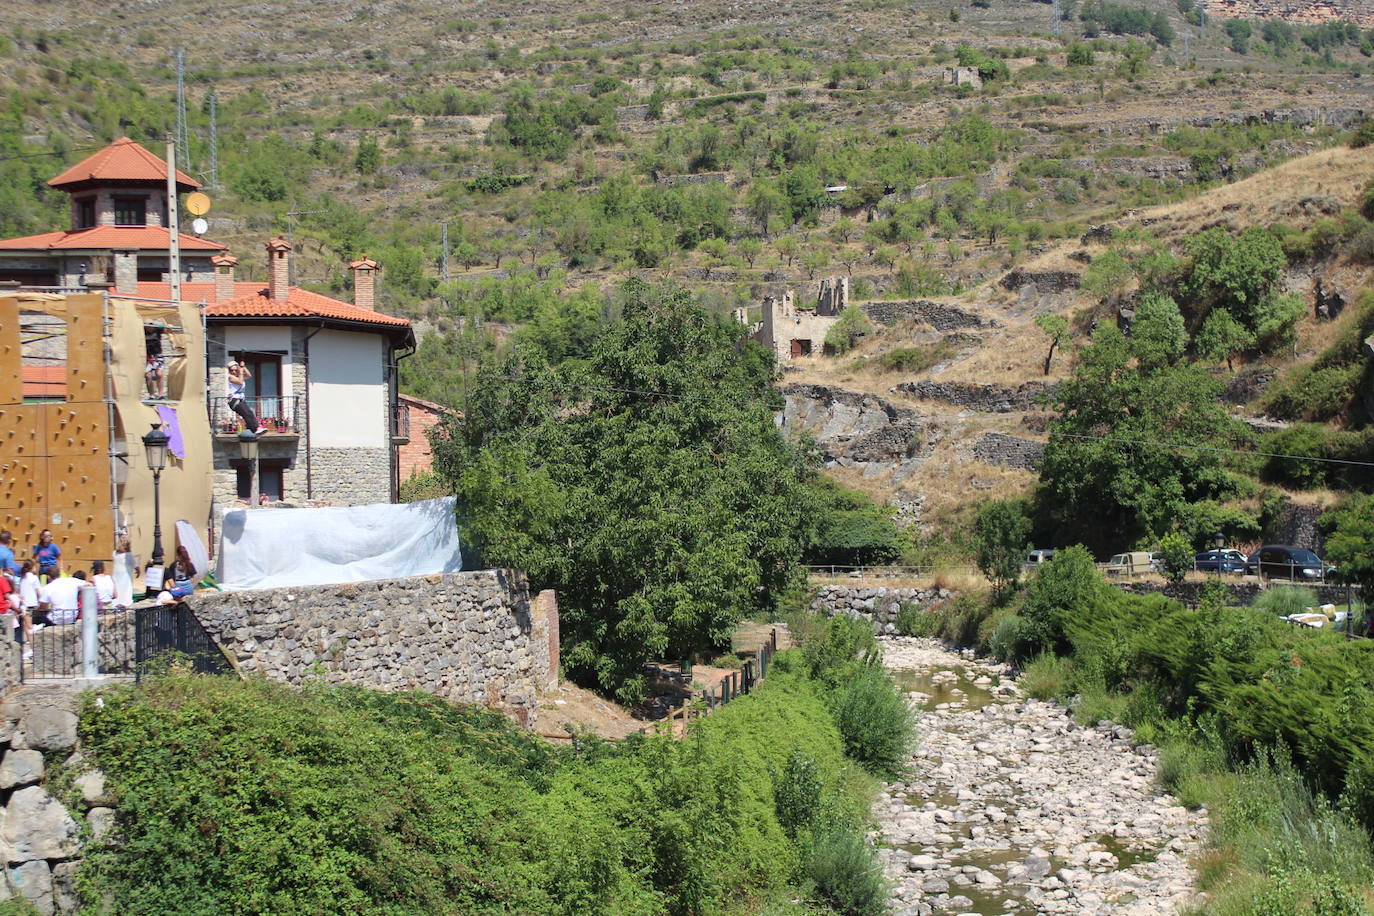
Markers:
248,451
155,444
1220,540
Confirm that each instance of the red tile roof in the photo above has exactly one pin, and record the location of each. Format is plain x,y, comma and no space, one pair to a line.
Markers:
45,381
142,237
122,160
250,301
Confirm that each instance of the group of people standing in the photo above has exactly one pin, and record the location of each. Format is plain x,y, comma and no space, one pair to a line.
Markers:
36,593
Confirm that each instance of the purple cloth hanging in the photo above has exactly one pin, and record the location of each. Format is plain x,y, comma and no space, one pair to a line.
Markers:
168,416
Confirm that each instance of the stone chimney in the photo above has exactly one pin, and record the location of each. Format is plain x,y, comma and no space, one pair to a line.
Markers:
364,282
278,268
224,276
126,271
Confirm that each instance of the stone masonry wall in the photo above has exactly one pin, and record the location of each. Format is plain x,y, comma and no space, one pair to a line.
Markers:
351,476
939,317
880,602
471,637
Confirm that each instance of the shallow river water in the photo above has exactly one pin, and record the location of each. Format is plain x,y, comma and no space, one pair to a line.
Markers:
1011,807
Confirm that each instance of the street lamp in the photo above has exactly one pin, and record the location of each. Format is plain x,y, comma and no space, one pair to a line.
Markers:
1220,540
155,444
248,451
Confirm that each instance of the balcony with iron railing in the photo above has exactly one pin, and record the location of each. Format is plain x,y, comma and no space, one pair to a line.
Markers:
400,424
280,414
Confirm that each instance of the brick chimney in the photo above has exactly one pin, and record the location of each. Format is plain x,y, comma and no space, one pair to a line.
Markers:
364,282
224,276
278,268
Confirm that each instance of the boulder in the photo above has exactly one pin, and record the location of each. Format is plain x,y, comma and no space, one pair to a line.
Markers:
21,768
92,787
37,826
33,882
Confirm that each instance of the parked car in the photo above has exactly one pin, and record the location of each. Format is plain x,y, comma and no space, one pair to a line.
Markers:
1227,561
1037,558
1134,563
1283,562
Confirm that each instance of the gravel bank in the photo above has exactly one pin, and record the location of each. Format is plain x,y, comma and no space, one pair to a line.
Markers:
1011,807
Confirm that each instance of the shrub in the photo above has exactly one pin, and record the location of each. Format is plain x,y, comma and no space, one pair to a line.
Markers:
832,651
1363,135
797,793
914,359
912,620
845,332
1069,583
1047,677
1283,600
874,720
847,874
1177,555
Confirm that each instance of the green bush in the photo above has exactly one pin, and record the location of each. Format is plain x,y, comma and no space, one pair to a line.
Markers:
1048,677
877,725
847,874
247,796
1282,600
912,620
833,650
797,794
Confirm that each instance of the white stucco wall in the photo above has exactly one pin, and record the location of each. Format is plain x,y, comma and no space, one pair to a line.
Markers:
348,390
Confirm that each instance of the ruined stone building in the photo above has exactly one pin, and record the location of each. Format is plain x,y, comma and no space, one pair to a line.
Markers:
792,330
963,76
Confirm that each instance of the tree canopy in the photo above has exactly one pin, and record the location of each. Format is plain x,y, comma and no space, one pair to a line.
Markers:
1111,473
648,484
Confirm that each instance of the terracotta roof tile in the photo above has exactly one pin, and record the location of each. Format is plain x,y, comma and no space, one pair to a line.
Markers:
122,160
142,237
45,381
250,301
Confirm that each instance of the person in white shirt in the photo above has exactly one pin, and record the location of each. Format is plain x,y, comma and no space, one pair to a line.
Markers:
104,585
63,598
29,587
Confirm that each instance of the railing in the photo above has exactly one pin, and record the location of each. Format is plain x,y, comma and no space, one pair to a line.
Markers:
400,422
733,686
171,630
879,572
279,414
56,650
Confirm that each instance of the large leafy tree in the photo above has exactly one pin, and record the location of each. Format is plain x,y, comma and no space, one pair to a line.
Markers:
648,484
1113,472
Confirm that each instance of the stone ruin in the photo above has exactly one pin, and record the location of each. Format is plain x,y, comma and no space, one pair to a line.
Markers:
791,330
963,76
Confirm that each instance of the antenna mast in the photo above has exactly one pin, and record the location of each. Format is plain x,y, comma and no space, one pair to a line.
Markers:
182,141
215,142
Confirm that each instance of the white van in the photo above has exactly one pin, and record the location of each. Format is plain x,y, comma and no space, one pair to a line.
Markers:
1037,558
1135,563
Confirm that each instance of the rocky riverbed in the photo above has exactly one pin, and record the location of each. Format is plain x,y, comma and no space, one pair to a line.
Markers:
1011,807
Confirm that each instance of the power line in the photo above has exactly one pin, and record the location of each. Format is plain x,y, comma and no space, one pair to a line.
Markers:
63,152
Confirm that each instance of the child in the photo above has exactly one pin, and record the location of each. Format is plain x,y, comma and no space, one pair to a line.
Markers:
28,604
104,586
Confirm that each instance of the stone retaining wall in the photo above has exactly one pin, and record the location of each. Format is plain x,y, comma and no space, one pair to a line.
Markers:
40,837
990,398
880,602
471,637
1009,451
939,317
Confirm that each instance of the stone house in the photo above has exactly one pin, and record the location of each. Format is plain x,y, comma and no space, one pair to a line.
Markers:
792,330
117,235
324,383
324,371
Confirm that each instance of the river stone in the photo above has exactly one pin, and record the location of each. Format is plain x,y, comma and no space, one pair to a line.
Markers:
33,882
101,821
37,826
21,768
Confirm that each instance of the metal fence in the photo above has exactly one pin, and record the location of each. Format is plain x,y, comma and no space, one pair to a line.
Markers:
279,414
171,634
57,651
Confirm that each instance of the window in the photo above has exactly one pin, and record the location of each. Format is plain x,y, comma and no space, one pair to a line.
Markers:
131,211
85,213
271,474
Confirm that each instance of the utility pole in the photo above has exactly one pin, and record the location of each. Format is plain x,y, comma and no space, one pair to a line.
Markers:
443,265
173,222
182,140
215,142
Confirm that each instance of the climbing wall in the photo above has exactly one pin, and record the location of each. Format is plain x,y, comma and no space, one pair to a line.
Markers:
54,457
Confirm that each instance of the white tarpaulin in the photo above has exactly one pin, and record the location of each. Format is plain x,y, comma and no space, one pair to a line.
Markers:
275,548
